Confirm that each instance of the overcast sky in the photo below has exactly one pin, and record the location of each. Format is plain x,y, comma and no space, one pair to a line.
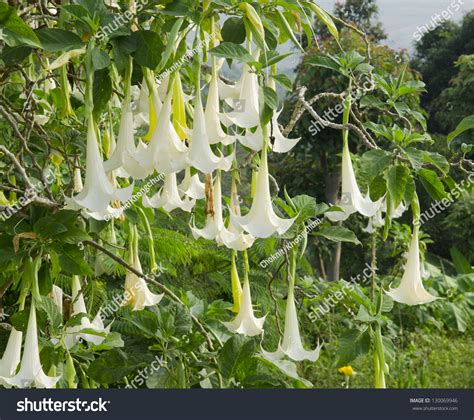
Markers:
400,18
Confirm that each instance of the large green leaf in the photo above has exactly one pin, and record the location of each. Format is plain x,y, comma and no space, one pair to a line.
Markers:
235,351
233,30
54,39
149,48
232,52
432,184
14,31
466,124
338,234
397,178
352,344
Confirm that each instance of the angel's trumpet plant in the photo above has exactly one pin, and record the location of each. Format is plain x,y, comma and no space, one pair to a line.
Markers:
279,144
179,108
213,123
261,221
192,186
235,284
166,152
201,155
246,322
168,197
137,295
291,345
98,191
214,228
352,200
12,355
246,113
240,240
31,372
73,334
411,290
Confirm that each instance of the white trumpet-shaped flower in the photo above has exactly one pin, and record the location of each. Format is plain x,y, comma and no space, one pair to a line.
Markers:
31,372
213,123
352,200
126,154
168,197
254,140
377,221
137,295
291,345
246,112
201,155
245,322
98,191
192,186
214,228
166,152
12,355
73,334
261,221
239,240
411,290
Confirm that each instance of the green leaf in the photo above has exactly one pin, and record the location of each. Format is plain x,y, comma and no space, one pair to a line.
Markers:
338,234
352,344
236,350
284,81
149,48
14,31
270,98
47,227
466,124
233,30
324,17
71,260
102,90
397,178
113,366
12,56
100,60
374,162
288,31
232,52
432,184
460,262
272,57
51,309
55,40
325,61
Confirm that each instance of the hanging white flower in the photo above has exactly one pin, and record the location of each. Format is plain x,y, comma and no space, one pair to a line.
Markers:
137,294
213,123
12,355
352,200
168,197
214,228
246,112
261,221
73,334
201,155
166,152
192,185
411,290
126,154
98,191
245,322
31,372
377,221
291,345
254,139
